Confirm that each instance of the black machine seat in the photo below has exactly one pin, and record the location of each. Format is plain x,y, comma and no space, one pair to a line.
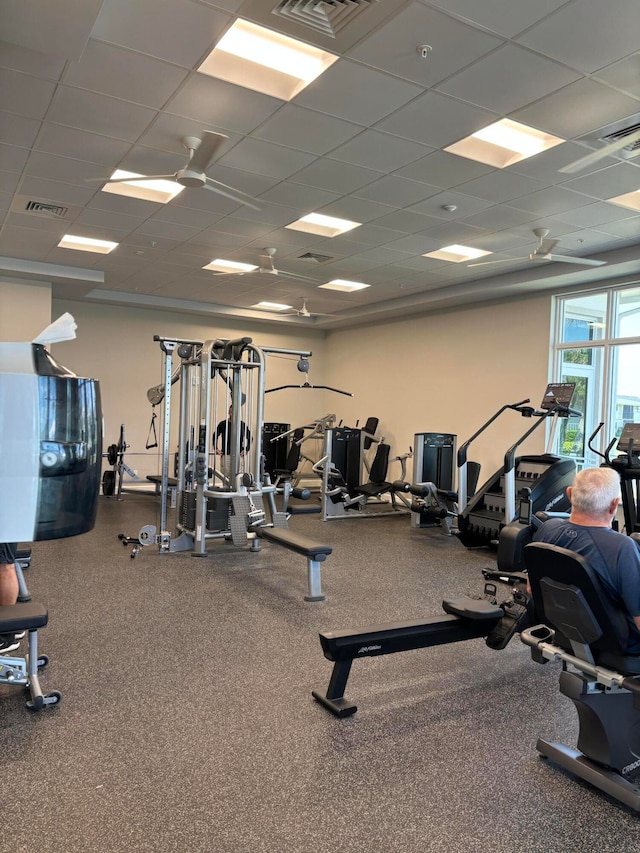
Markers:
293,458
585,629
378,483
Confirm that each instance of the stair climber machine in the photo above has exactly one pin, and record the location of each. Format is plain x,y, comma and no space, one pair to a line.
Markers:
627,464
537,482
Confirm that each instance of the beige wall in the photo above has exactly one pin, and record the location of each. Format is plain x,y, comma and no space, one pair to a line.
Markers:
25,309
115,345
448,373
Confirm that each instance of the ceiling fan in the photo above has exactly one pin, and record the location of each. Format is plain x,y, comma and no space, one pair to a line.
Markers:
542,254
201,154
266,266
628,140
303,311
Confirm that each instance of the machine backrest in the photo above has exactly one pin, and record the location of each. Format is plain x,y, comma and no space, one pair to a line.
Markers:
371,426
293,456
378,473
569,597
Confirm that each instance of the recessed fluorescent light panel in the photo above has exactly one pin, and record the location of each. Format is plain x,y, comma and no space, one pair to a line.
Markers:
344,285
86,244
456,254
324,226
272,306
220,265
503,143
158,191
630,200
265,61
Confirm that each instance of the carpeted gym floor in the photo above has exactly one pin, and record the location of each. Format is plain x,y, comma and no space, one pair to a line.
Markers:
187,722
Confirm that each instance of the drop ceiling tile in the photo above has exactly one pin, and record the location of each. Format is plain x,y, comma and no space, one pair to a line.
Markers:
606,183
595,215
12,158
106,219
150,161
413,244
623,75
444,170
546,165
455,120
9,181
499,216
582,37
36,224
124,74
170,230
551,200
306,129
500,186
222,105
123,204
242,228
356,209
99,114
16,242
299,196
335,176
61,28
407,221
500,16
398,192
55,191
266,158
177,32
380,151
64,168
186,216
18,130
355,93
90,147
507,79
447,233
30,61
374,235
623,228
205,200
25,95
466,205
577,109
393,47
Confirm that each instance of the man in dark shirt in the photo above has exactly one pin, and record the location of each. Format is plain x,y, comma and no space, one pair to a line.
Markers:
615,558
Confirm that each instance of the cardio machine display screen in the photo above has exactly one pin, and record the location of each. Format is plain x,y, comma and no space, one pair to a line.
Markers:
630,433
558,394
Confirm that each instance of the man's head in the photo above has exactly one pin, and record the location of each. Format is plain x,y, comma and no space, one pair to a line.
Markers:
595,492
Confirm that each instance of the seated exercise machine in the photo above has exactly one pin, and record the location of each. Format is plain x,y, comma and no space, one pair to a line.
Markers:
627,464
466,618
341,467
546,476
25,671
584,630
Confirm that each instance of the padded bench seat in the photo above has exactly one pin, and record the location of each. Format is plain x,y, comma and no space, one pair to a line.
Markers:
22,617
314,552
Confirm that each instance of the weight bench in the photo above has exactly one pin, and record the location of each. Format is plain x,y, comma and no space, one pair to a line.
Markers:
27,616
584,629
466,619
172,482
314,552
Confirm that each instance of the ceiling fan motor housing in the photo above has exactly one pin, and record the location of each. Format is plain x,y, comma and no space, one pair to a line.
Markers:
190,178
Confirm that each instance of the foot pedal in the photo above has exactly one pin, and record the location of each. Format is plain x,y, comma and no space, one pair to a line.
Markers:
515,619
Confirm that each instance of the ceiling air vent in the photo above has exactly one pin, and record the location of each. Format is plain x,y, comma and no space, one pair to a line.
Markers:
46,209
328,17
314,258
617,131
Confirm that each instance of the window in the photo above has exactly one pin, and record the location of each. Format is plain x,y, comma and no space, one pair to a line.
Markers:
598,347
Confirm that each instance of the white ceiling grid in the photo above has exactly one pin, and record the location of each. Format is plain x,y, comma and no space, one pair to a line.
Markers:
116,87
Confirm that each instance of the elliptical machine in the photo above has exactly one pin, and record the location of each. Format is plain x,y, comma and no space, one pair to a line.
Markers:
627,464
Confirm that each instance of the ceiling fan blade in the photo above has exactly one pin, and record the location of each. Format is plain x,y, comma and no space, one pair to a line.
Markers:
130,180
214,189
501,261
601,153
296,275
206,151
567,259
